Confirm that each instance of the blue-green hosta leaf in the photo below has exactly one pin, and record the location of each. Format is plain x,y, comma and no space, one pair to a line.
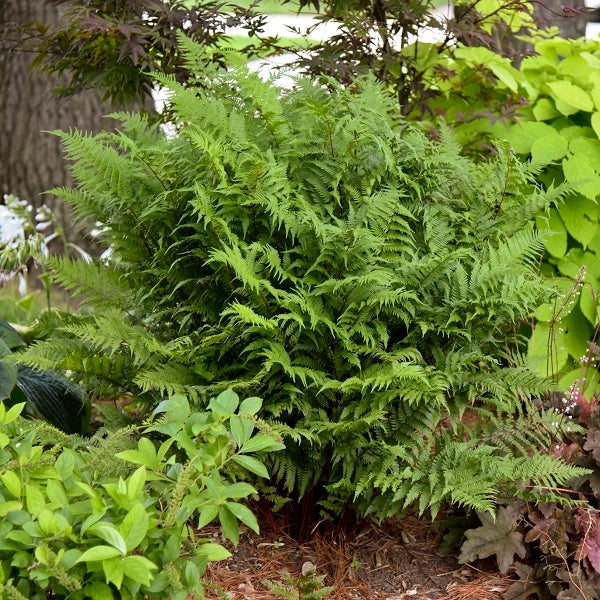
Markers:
8,379
10,336
54,399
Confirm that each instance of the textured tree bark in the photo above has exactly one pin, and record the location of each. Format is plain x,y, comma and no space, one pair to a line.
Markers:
31,160
569,16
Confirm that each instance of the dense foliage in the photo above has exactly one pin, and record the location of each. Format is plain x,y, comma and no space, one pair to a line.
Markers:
311,248
109,517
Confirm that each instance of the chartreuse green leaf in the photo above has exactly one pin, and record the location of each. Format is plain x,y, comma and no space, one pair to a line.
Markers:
99,553
549,148
588,304
547,352
109,533
522,136
578,332
579,214
114,571
98,591
554,233
135,483
580,172
596,122
213,552
12,483
250,406
34,499
589,381
261,442
208,513
570,98
544,110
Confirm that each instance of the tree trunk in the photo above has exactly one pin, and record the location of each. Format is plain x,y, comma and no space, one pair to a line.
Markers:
31,160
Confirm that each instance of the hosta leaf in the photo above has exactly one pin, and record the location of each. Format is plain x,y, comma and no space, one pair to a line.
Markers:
10,336
8,379
55,399
499,538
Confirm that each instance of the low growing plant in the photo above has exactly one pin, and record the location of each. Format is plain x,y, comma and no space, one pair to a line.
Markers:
310,247
121,515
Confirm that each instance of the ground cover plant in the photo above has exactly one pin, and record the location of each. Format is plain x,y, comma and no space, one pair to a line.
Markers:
120,515
312,248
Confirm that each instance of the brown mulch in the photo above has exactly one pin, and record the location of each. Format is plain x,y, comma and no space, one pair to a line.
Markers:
395,561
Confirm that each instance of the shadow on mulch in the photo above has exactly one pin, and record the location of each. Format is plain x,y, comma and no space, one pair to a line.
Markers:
395,561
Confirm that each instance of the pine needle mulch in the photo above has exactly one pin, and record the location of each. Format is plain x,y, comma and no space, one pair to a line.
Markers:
395,561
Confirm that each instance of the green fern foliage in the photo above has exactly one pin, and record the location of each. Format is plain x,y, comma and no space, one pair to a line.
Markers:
311,248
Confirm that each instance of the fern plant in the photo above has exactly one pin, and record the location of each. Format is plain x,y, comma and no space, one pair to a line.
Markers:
310,247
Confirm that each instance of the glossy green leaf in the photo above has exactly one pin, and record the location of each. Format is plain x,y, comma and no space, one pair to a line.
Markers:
10,336
109,533
138,568
251,464
98,553
12,483
134,526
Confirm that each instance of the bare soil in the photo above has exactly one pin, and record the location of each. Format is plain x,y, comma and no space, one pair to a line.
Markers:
396,561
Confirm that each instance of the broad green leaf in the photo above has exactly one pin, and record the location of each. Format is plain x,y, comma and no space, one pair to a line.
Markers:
589,381
547,350
578,332
213,552
554,233
241,429
250,406
571,95
225,403
98,591
134,526
13,413
98,553
549,148
251,464
9,506
588,147
244,514
261,442
137,458
544,110
177,407
575,67
135,483
4,349
65,464
34,499
581,173
207,515
239,490
229,525
522,136
545,312
109,533
113,571
588,304
495,537
12,483
579,214
47,521
138,568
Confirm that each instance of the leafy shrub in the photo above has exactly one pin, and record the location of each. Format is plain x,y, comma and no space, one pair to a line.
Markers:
558,130
311,247
110,517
